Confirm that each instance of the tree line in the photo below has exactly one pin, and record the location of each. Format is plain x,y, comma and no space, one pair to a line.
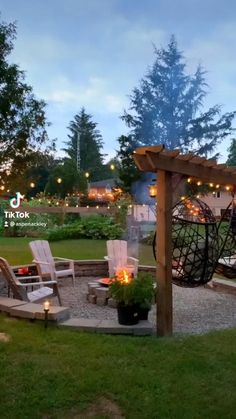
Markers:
167,107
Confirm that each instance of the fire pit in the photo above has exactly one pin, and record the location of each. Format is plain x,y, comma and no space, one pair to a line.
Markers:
105,282
98,291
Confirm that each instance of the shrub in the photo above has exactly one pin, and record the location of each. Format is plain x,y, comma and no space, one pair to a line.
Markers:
95,227
148,239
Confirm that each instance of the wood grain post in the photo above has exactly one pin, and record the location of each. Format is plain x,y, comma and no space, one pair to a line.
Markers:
164,254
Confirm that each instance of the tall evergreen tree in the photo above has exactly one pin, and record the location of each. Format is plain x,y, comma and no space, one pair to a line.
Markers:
84,130
128,172
231,161
167,107
22,116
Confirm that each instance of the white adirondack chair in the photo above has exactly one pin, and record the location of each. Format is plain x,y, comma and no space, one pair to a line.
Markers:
20,289
46,263
118,258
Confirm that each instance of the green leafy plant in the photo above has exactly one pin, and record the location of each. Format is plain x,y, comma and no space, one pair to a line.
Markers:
123,293
138,291
119,208
144,292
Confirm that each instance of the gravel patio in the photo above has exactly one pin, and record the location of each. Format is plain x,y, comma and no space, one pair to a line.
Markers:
196,310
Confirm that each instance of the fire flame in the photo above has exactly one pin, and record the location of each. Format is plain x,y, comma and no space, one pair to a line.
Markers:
124,276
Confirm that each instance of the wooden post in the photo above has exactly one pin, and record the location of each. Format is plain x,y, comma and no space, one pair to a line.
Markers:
164,254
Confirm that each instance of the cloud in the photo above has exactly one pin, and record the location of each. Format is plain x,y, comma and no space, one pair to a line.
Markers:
96,94
215,52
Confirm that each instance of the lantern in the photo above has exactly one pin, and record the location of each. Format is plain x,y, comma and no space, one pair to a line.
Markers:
152,191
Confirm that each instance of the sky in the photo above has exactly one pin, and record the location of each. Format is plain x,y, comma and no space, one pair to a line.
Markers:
92,53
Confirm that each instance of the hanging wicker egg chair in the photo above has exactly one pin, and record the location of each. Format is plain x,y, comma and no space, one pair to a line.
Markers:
227,238
195,243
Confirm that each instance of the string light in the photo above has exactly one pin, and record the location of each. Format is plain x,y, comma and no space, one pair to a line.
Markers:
59,180
32,184
210,184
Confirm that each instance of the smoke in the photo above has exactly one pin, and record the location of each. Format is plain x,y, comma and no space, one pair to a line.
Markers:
140,189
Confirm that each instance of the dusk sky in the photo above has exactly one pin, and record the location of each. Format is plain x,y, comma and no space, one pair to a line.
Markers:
92,53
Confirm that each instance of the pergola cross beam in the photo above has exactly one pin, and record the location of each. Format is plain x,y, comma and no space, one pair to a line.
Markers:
166,163
192,166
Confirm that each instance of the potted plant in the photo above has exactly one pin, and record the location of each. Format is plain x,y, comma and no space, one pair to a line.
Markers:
123,292
144,294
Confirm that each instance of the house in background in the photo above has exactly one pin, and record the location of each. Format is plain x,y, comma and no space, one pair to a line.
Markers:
218,201
101,190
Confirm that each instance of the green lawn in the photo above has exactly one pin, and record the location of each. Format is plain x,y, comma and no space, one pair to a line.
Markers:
16,250
56,373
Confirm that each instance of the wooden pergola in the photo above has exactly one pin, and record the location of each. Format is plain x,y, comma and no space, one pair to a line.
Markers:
165,163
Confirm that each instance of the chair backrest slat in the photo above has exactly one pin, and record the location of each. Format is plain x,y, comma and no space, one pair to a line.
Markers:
41,252
117,250
9,276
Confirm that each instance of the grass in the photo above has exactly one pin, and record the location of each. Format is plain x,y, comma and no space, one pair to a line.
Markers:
16,250
57,374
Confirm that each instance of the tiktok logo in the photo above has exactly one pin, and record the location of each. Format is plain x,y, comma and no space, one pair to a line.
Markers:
15,202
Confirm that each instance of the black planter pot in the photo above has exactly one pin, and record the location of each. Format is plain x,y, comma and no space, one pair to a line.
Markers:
143,313
127,315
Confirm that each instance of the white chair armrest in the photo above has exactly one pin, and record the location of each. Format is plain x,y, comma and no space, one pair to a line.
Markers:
107,258
37,283
71,261
131,258
40,261
29,277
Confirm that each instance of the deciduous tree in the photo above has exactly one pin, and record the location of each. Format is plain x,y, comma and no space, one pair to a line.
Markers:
22,116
